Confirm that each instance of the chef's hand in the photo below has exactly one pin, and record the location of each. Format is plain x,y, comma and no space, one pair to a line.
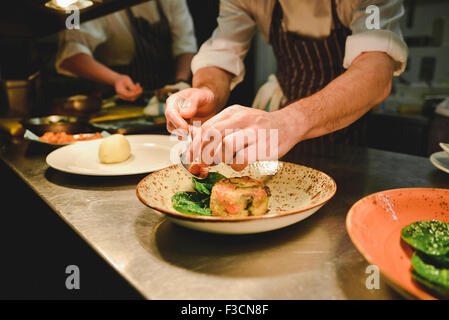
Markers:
193,104
254,129
126,89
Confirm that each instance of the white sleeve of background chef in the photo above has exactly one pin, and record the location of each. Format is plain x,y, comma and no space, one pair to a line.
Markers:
181,26
388,38
82,40
229,42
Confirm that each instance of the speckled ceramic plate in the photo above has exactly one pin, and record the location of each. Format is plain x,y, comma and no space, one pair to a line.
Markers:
374,224
296,193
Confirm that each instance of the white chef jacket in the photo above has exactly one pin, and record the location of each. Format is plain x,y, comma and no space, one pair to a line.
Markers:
110,38
238,20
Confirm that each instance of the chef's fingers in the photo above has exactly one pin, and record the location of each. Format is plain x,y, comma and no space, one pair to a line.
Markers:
127,90
174,119
210,144
237,141
242,159
195,148
129,85
189,107
225,114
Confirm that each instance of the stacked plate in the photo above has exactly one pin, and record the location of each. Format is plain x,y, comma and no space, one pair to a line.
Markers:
441,159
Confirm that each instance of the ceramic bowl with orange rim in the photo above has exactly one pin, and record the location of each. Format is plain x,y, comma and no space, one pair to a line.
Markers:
374,225
296,193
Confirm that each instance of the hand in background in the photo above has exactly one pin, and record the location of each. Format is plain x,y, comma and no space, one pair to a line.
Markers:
126,89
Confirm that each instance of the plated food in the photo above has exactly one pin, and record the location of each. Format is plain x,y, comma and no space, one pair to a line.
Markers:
430,261
150,152
239,197
219,196
296,192
375,225
114,149
65,138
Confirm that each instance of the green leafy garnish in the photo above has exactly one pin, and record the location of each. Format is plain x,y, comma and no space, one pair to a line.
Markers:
430,237
205,186
431,260
197,202
191,203
430,275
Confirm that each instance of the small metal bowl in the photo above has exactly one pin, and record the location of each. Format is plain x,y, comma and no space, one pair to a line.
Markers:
56,123
80,104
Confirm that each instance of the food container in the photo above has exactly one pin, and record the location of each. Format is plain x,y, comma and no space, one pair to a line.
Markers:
18,97
82,105
56,123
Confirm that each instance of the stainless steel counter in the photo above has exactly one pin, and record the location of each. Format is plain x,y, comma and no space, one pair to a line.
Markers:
313,259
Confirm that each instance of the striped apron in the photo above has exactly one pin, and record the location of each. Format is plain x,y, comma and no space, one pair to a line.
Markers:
153,65
305,65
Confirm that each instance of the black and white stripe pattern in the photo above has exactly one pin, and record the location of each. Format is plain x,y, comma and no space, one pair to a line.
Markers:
305,65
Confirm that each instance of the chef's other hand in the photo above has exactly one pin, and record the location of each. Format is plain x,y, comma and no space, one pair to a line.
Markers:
248,135
126,89
192,104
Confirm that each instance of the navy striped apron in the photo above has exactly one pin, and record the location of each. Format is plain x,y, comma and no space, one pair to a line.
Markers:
305,65
153,65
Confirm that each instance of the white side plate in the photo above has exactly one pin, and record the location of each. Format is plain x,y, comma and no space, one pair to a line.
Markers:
440,160
148,153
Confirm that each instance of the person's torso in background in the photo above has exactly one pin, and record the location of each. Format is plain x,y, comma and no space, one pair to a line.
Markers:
119,48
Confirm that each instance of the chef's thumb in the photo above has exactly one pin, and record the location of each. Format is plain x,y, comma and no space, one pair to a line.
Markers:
189,108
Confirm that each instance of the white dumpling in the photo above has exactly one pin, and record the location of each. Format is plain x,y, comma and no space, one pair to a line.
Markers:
114,149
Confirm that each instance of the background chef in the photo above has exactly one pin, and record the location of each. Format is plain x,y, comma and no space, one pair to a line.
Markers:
147,46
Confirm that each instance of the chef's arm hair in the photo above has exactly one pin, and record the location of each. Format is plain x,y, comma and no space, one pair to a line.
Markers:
366,83
85,66
183,62
217,80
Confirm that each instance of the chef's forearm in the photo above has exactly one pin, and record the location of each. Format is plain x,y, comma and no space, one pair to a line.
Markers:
344,100
215,79
85,66
183,62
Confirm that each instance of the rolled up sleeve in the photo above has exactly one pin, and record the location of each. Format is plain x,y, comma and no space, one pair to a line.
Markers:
388,38
83,40
229,43
182,30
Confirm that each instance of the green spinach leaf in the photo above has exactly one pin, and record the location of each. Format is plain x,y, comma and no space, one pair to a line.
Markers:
205,186
430,237
191,203
433,277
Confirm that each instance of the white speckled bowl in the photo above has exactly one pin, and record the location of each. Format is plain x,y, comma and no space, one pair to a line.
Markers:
296,193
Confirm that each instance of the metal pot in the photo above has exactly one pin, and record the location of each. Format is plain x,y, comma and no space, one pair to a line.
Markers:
18,97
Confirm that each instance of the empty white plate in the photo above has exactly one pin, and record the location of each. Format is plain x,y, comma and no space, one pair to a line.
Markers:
440,160
148,153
